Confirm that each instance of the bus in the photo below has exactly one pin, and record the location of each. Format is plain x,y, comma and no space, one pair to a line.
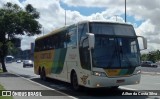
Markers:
9,59
92,54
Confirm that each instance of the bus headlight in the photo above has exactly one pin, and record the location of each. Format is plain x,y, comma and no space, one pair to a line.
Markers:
101,74
137,71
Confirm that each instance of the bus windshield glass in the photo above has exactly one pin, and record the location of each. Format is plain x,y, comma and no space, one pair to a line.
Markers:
113,50
112,29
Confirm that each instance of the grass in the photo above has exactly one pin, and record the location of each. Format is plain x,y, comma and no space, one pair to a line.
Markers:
2,88
1,71
4,97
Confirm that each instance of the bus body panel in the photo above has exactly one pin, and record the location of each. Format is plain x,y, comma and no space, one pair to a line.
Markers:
73,64
97,82
43,59
106,81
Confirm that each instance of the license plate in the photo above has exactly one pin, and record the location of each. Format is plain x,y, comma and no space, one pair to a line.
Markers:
120,81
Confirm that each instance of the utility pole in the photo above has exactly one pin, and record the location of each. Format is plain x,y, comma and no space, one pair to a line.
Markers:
125,12
65,18
43,30
116,17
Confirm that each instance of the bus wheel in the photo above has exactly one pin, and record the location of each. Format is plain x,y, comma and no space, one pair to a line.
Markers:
74,81
39,71
43,74
115,87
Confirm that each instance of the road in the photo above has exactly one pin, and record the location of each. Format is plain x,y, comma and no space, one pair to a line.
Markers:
149,82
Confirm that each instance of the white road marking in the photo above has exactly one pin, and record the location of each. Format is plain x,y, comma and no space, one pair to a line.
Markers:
153,73
46,87
157,83
127,88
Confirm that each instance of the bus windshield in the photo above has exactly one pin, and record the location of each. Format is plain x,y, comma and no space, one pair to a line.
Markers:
113,50
112,29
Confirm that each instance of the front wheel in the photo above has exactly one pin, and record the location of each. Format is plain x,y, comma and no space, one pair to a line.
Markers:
74,82
114,87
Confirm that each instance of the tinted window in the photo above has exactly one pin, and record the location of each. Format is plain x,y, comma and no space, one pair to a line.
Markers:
112,29
82,30
55,41
72,37
83,46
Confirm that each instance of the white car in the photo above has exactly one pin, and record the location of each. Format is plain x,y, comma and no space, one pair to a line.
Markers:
27,63
18,61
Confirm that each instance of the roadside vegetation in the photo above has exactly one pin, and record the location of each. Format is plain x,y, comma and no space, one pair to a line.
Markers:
2,88
1,70
153,56
15,20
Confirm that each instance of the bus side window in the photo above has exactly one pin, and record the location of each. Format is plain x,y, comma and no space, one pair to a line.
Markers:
63,42
83,46
40,45
72,37
82,30
53,42
50,42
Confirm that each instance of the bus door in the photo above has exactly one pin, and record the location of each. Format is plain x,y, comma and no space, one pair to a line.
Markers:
72,51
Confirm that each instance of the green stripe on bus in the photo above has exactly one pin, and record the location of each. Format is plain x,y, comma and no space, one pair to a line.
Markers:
58,60
130,71
123,72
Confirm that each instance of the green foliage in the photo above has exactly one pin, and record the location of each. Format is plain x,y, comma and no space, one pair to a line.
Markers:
1,70
16,21
151,56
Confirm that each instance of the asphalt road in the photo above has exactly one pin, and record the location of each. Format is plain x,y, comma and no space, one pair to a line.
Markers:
151,69
149,83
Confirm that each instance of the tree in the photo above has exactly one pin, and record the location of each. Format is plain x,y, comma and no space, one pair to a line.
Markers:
153,56
16,21
144,57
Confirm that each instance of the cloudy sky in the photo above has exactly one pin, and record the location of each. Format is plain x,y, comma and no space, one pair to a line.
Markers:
143,14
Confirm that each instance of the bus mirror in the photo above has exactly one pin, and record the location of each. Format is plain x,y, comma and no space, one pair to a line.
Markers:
91,40
144,41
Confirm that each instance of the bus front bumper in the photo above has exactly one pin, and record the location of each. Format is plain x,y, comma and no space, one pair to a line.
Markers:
100,82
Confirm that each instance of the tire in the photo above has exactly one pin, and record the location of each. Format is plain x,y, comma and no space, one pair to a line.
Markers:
115,87
74,82
43,74
39,71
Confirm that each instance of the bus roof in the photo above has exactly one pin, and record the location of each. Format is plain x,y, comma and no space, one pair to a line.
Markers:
53,32
102,21
87,21
9,56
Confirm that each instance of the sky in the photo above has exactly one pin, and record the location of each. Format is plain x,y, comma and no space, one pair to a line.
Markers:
144,15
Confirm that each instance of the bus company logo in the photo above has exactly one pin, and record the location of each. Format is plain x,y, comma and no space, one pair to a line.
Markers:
72,56
84,79
6,93
45,56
